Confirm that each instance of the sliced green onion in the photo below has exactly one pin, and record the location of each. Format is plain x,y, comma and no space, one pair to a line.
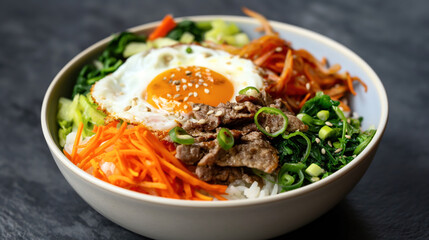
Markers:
180,136
287,180
314,170
249,91
275,111
325,132
323,115
308,120
307,150
225,139
284,181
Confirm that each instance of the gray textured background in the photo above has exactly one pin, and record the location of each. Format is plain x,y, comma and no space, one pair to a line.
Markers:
37,38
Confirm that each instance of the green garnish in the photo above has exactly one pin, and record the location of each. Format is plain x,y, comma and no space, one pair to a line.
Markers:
287,180
273,111
188,50
323,115
249,91
335,141
307,140
225,139
180,136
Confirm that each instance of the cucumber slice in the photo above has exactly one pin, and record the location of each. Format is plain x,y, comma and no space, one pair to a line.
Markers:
187,38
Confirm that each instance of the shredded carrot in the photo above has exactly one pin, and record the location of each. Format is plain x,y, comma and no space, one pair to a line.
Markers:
290,69
166,25
142,163
76,142
304,100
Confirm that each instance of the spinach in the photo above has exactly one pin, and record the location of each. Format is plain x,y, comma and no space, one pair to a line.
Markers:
187,26
331,154
110,60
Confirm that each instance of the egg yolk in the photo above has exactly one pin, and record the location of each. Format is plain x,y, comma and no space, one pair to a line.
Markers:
175,89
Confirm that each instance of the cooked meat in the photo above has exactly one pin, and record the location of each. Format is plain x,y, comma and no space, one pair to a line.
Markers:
225,175
208,118
252,150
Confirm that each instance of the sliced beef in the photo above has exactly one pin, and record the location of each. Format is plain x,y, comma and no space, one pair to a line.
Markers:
225,175
252,150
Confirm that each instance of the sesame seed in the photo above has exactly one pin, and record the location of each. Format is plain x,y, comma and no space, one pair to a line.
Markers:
196,108
177,95
206,91
238,108
348,120
190,94
188,73
329,123
329,143
200,80
165,78
178,69
172,75
190,84
185,107
347,136
185,99
207,70
279,49
197,86
176,82
210,112
201,121
218,113
184,87
183,80
205,84
323,151
307,86
198,74
318,140
195,94
127,108
177,88
267,129
169,95
170,81
338,150
354,155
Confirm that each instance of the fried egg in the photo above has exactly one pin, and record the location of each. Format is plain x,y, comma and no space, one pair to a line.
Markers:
156,88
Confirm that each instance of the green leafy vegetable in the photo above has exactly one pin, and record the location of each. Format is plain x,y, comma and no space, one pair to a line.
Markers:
335,140
187,28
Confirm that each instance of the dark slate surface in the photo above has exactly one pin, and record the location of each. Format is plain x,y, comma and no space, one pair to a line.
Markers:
37,38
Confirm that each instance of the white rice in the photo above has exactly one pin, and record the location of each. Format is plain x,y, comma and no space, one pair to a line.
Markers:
239,189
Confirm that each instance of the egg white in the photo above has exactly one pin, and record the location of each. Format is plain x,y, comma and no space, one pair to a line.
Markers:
120,93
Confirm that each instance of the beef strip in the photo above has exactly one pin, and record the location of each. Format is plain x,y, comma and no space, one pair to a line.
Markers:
225,175
252,150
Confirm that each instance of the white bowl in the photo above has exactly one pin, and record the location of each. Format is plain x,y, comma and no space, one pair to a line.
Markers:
163,218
